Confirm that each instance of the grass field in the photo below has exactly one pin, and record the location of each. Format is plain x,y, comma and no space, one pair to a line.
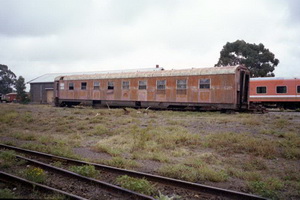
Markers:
246,152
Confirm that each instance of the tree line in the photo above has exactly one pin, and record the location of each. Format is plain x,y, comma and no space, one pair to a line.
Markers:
8,81
258,59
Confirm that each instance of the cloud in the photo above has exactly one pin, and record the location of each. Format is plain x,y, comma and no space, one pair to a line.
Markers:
35,17
293,11
82,35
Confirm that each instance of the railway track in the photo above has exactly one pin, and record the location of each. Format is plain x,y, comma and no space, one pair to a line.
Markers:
205,192
16,181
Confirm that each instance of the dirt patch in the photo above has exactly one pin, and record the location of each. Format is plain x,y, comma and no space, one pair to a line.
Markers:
90,155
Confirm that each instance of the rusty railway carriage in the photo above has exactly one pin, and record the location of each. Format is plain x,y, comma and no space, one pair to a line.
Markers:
217,88
275,92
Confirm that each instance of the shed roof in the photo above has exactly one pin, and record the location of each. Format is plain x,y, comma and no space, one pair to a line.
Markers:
162,73
48,78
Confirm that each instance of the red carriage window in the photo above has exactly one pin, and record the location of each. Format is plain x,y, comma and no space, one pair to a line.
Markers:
125,85
96,85
204,83
281,89
83,85
71,86
161,84
142,85
181,84
298,89
261,90
110,85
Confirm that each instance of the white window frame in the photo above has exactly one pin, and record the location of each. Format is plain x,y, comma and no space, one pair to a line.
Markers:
282,92
81,86
126,86
164,85
110,84
205,83
71,86
96,85
142,86
186,84
261,87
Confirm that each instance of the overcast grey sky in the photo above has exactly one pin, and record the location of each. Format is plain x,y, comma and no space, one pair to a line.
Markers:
44,36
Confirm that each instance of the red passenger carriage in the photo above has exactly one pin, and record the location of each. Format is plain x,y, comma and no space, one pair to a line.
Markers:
276,92
218,88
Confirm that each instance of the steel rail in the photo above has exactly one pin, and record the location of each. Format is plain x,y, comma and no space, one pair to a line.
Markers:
6,177
104,185
156,178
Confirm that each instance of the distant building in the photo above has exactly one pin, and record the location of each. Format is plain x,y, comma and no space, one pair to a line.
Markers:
42,87
10,97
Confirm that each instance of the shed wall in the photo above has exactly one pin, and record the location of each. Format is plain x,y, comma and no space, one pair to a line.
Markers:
38,91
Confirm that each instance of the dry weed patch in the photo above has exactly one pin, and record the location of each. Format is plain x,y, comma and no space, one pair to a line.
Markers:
121,163
135,184
242,143
281,123
244,175
9,117
291,145
25,135
198,172
106,148
100,130
150,142
268,188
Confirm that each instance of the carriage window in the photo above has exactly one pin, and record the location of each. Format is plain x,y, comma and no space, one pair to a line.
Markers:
142,85
298,89
110,85
96,85
71,86
181,84
83,85
261,90
125,85
204,83
62,86
281,89
161,84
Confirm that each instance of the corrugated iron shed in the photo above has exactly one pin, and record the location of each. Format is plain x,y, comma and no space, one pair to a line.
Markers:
161,73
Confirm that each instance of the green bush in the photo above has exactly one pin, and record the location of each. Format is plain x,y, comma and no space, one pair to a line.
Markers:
35,174
7,159
7,194
100,130
135,184
193,174
85,170
268,188
9,117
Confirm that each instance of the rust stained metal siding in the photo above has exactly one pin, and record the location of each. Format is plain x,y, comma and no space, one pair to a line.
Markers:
223,86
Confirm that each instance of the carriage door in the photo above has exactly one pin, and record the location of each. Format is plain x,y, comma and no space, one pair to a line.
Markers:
56,92
244,88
